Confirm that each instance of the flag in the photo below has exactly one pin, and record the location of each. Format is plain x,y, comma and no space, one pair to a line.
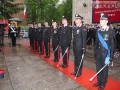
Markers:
25,15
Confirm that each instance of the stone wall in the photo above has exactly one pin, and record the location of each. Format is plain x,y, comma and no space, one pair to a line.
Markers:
86,12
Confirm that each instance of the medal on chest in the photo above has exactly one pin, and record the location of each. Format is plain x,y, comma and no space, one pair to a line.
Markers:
55,31
105,36
78,31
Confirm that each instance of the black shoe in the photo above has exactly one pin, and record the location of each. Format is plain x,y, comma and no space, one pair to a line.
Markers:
77,75
64,66
55,60
96,84
101,87
46,56
73,73
40,53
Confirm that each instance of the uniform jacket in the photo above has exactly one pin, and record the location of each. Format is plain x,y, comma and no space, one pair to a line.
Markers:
65,36
108,36
35,34
55,36
12,34
39,33
118,34
32,33
46,34
79,37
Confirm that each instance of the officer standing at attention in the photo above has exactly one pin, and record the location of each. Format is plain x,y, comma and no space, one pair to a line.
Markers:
46,38
12,31
31,35
39,38
35,37
104,48
79,44
65,41
29,31
55,40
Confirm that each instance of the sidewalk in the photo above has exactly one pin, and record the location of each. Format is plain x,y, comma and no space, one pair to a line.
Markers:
26,71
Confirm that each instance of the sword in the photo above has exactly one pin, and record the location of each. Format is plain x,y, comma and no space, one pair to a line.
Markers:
91,79
79,66
62,57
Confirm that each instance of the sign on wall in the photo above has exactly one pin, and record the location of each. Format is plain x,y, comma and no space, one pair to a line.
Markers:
109,7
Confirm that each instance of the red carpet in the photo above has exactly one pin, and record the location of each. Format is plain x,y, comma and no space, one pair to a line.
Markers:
83,79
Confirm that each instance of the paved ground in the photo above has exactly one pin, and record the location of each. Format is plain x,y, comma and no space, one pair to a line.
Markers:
25,71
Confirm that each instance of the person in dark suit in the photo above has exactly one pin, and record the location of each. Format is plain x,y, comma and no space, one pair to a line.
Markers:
46,38
79,44
104,50
2,35
39,38
65,41
55,40
31,31
118,36
12,31
35,37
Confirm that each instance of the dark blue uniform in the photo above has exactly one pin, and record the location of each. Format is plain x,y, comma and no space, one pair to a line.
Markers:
39,39
13,35
101,53
55,42
65,41
79,44
46,39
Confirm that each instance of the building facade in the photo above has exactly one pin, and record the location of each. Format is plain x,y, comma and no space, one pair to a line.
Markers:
20,15
85,11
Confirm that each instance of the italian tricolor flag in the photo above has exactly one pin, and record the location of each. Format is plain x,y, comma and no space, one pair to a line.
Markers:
25,15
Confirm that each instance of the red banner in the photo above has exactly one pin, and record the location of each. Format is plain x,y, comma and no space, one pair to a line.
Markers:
6,26
109,7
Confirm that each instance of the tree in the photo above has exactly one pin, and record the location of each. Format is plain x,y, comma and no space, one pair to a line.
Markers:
8,8
68,9
39,10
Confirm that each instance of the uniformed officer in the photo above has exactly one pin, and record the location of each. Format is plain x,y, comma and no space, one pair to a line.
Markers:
118,36
46,38
104,48
2,35
39,38
55,41
12,31
29,30
35,37
79,44
31,35
89,35
65,41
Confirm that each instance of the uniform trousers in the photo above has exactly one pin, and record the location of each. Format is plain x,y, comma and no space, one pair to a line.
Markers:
47,48
41,46
103,75
66,56
13,40
77,61
57,52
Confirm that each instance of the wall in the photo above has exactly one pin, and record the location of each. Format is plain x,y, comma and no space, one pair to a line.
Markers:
85,12
21,13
